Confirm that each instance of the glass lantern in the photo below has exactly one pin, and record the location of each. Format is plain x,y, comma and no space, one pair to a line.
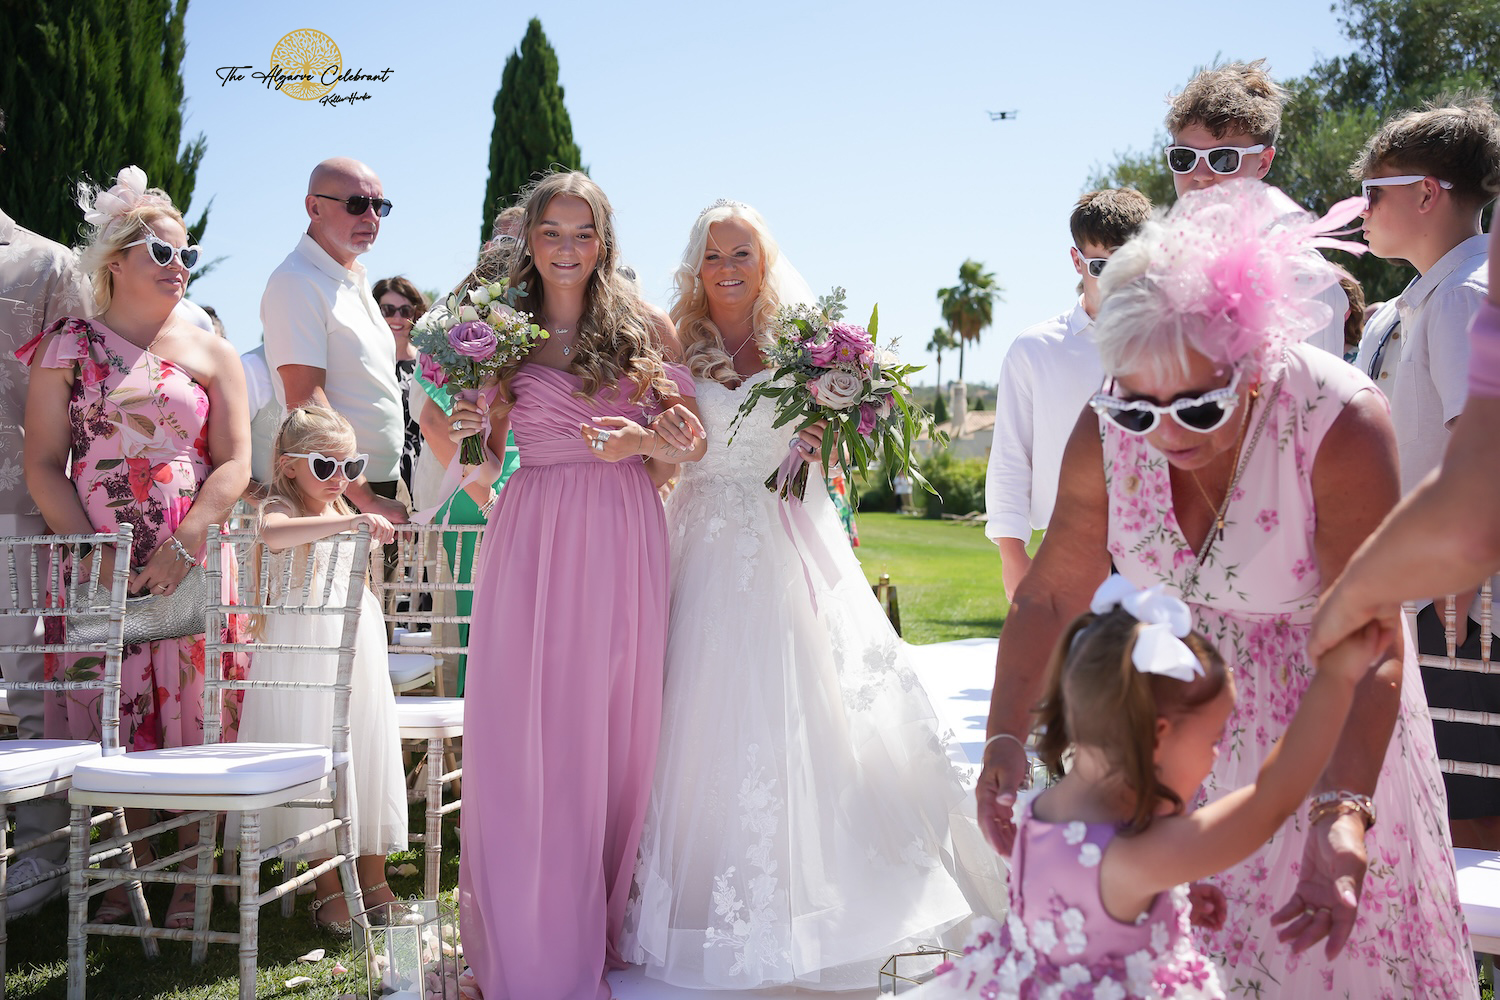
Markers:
910,969
410,950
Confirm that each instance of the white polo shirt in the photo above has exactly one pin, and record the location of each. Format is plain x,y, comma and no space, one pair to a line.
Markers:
1425,369
316,312
1050,373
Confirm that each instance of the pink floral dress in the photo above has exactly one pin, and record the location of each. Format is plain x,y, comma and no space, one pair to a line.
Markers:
1059,943
140,453
1254,598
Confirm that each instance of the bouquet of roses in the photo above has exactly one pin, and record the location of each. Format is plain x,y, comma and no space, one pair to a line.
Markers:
467,339
827,369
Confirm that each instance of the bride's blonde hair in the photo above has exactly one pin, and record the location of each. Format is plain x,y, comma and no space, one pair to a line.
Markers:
702,343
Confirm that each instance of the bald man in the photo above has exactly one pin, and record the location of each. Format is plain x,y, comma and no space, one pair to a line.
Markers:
325,340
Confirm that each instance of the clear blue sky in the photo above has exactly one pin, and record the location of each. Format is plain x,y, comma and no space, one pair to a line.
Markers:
858,129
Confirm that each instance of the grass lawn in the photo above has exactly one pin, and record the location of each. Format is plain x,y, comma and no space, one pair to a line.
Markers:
118,969
947,575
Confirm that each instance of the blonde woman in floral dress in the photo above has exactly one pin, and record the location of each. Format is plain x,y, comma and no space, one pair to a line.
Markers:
136,417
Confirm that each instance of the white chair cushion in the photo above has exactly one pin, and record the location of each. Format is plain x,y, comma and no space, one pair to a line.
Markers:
417,712
33,762
407,667
216,769
1479,889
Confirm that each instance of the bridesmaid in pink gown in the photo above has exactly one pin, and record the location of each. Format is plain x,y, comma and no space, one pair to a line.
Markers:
563,702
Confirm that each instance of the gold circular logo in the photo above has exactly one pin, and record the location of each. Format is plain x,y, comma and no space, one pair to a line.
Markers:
302,57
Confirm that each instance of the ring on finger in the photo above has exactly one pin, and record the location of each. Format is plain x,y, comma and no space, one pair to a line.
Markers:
458,425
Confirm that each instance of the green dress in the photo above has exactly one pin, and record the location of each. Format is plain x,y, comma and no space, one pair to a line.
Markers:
461,509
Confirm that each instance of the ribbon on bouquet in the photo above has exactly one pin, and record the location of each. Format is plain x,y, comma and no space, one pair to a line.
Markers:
454,479
798,524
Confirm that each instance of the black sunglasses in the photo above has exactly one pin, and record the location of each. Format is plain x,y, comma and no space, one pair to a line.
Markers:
323,467
359,204
387,310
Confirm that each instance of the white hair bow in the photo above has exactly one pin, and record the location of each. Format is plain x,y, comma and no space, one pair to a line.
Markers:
1159,648
109,206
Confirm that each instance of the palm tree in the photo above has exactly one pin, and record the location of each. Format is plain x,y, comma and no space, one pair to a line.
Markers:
969,306
942,340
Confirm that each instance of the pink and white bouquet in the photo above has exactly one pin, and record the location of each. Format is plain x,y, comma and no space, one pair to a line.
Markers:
466,340
827,369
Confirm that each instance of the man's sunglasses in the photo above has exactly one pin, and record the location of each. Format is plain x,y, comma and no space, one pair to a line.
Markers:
162,252
1221,159
359,204
1370,186
387,310
1203,414
1095,265
322,467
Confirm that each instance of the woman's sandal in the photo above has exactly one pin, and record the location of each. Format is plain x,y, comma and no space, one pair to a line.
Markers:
114,908
342,927
180,911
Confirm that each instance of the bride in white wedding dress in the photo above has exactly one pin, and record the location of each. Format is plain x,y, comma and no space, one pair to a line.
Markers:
798,830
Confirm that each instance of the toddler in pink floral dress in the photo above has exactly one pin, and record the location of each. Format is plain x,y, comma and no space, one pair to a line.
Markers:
1099,894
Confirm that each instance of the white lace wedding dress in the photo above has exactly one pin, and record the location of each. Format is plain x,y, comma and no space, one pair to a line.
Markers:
798,827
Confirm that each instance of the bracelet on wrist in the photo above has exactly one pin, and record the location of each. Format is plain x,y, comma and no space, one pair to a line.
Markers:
180,552
1338,803
1003,736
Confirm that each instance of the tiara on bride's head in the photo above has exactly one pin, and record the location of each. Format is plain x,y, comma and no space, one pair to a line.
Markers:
723,203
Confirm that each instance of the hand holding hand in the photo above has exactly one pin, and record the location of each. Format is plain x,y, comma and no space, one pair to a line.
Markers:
678,427
1327,896
1358,651
615,438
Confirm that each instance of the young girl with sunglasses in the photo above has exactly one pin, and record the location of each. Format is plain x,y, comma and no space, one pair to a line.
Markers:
1098,890
315,460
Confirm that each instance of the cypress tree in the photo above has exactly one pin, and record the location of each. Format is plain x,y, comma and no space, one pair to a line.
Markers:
532,130
89,87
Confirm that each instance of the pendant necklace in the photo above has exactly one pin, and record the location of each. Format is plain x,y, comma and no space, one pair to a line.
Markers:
1242,459
567,348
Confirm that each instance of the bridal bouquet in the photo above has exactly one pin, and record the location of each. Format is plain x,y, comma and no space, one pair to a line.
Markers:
466,341
827,369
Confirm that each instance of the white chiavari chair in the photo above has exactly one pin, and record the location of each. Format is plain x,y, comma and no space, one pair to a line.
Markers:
47,577
423,569
198,783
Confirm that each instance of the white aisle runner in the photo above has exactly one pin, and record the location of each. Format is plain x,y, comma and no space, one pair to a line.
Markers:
957,676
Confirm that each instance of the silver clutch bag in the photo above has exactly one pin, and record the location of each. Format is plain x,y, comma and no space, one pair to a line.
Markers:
151,616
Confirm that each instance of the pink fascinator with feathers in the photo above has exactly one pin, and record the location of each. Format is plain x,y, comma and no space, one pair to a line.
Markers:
1244,257
103,208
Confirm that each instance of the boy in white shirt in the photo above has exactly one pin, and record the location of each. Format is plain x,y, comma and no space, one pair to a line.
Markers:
1224,125
1049,374
1424,176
